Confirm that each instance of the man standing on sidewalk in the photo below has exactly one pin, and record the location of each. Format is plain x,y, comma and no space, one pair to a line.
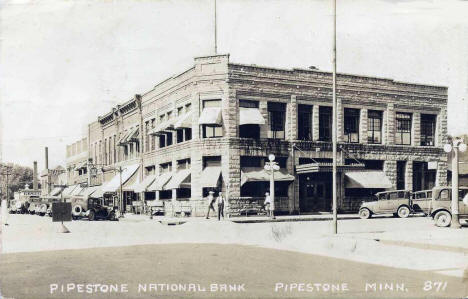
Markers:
211,201
220,201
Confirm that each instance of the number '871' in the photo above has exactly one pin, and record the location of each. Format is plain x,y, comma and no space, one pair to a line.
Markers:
437,286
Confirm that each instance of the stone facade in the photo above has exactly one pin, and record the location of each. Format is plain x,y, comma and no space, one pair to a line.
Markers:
215,78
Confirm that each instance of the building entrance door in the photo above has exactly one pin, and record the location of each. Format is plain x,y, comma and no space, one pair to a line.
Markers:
315,192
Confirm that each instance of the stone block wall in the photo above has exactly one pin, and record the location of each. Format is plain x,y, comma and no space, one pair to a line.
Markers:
416,129
390,170
409,175
363,126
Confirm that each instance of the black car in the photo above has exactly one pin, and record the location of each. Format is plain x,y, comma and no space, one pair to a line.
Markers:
97,210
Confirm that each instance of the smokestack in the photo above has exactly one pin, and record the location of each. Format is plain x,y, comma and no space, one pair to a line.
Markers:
35,176
46,158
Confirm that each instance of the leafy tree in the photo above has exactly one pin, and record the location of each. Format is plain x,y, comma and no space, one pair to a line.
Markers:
19,177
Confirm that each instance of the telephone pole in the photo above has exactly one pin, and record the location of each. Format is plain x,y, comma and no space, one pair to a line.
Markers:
7,171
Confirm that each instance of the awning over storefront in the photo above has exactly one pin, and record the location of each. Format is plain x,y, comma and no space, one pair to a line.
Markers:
98,193
77,191
132,182
210,116
131,135
181,179
160,181
56,191
68,191
184,121
210,176
89,191
81,165
114,184
142,187
250,116
259,174
367,179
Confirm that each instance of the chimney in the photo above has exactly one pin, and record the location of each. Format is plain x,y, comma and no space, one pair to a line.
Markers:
46,158
35,176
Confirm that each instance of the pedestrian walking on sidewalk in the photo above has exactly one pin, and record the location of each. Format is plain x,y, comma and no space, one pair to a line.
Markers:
211,201
220,202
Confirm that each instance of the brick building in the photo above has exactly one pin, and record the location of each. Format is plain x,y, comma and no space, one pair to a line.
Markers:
212,127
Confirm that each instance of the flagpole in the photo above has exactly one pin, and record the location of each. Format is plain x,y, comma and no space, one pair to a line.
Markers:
334,125
215,31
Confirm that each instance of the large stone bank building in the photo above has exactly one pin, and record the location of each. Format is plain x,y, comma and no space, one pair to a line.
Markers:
213,126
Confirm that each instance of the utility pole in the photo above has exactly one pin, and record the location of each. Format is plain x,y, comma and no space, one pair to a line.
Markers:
334,125
7,172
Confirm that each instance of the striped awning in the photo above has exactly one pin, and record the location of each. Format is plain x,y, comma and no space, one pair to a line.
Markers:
160,181
181,179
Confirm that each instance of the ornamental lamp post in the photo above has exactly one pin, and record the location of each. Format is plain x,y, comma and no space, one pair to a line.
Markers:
271,167
455,146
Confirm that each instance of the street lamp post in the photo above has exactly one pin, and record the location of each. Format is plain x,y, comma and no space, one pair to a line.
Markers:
455,146
271,167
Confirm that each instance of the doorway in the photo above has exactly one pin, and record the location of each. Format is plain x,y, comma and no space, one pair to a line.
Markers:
315,192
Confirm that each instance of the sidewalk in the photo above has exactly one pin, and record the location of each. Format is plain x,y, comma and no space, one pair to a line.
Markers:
240,219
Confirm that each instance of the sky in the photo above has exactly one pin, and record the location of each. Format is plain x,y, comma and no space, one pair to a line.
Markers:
63,63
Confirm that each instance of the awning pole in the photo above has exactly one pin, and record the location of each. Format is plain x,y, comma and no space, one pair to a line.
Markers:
334,125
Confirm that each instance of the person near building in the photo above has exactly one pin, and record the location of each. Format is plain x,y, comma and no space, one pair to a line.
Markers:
220,202
211,201
269,206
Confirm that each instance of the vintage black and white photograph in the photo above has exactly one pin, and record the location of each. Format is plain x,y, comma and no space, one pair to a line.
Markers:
234,149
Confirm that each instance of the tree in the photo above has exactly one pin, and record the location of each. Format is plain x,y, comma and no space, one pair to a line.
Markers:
20,176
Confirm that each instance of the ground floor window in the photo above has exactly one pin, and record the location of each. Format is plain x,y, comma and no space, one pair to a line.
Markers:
258,189
184,193
150,195
423,178
165,194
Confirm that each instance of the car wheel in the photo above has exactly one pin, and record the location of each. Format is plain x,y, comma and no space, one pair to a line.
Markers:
91,216
364,213
442,219
403,212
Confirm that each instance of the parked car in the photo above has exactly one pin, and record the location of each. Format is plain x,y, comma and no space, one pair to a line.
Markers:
397,202
17,207
441,205
93,209
156,207
421,201
33,202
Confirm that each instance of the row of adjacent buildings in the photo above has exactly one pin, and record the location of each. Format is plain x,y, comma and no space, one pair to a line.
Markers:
212,127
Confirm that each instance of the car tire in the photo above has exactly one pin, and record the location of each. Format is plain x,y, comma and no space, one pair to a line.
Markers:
403,212
365,213
91,215
442,219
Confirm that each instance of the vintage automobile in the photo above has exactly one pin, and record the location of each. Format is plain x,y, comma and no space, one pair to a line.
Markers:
397,202
155,207
18,207
44,207
421,201
93,209
441,205
33,202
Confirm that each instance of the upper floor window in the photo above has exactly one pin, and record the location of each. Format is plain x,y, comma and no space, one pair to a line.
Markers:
168,138
325,123
213,128
248,120
374,127
351,125
188,107
428,126
162,141
304,114
165,167
277,115
403,128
